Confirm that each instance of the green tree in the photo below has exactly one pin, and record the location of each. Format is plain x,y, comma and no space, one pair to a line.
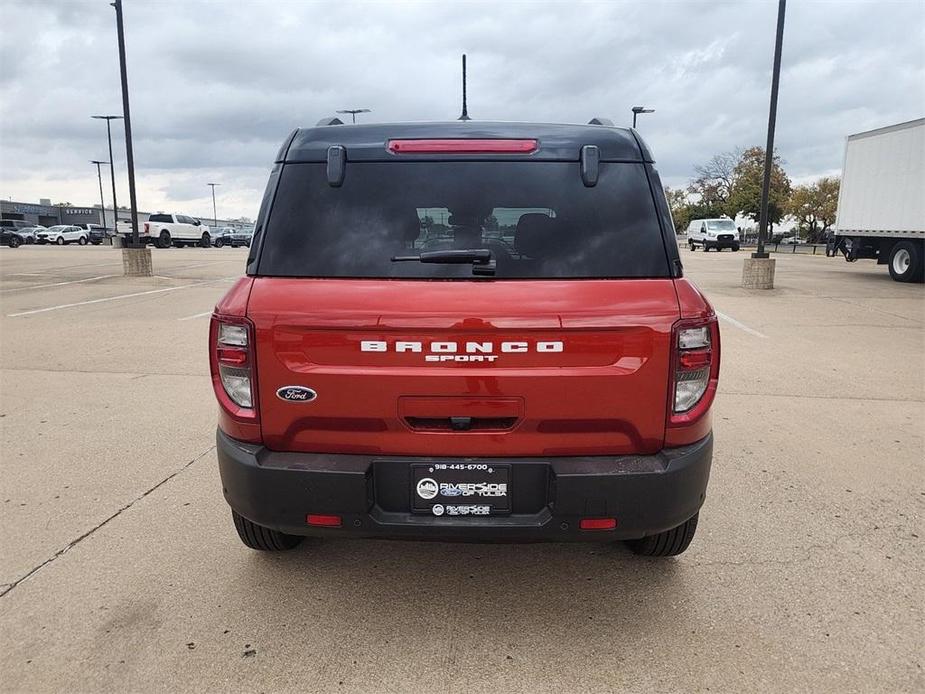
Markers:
814,205
745,197
712,188
803,209
679,206
827,189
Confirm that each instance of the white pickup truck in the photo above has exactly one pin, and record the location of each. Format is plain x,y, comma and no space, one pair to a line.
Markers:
166,230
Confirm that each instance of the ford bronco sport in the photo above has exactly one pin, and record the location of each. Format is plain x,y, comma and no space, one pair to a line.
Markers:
465,330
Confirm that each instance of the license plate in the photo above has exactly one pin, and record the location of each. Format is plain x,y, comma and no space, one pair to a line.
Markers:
461,489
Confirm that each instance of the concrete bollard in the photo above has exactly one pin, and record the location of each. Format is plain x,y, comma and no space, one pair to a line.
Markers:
136,262
758,273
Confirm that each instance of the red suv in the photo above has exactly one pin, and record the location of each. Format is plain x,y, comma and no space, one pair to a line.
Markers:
465,330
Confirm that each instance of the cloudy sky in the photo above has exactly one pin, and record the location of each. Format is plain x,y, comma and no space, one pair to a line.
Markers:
216,86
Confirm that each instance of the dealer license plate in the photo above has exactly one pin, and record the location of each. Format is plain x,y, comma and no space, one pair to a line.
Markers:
461,489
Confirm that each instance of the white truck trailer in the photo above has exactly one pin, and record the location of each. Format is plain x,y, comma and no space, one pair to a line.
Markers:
881,204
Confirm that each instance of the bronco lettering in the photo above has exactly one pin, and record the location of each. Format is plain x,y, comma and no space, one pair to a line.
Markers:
450,351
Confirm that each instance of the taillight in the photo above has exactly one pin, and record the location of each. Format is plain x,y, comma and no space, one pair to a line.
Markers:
147,227
231,356
695,367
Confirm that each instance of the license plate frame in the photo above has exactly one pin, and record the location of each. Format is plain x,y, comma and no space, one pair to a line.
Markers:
460,488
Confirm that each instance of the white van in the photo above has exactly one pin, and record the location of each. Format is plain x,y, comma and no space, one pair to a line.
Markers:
713,233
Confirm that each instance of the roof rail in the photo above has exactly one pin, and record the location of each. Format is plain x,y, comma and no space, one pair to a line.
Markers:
330,120
601,121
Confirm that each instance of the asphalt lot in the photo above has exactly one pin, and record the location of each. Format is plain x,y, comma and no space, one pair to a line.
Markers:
122,571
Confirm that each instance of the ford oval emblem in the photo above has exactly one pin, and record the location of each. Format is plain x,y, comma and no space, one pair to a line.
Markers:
296,394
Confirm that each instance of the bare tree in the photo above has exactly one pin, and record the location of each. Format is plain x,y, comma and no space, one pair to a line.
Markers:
715,181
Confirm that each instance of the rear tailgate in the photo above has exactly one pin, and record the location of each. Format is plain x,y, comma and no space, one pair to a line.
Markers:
473,368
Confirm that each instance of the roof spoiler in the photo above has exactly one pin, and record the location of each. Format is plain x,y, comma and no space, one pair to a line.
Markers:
330,120
601,121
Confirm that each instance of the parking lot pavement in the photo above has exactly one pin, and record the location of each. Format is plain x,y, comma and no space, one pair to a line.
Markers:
122,570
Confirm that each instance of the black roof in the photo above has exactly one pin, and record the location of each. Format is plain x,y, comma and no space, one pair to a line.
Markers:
368,142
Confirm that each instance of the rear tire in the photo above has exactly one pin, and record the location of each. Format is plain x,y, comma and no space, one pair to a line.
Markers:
906,262
205,241
735,248
219,242
163,241
15,241
667,544
82,241
263,539
691,245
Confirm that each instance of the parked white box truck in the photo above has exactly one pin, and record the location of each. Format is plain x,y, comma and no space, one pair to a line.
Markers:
881,204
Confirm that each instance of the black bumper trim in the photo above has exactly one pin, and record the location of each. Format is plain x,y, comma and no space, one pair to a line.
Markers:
646,494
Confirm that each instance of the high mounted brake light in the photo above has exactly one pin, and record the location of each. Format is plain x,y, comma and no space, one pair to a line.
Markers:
462,146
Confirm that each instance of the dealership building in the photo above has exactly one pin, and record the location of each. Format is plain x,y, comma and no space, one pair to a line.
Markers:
43,213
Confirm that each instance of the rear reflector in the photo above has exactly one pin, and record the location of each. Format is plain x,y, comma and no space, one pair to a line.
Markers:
462,146
326,521
597,523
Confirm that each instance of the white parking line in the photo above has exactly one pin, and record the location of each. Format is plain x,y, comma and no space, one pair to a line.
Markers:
197,315
740,326
211,262
112,298
56,284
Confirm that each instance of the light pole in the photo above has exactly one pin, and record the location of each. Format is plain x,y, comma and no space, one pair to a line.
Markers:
758,268
126,114
354,111
640,109
772,124
214,213
100,178
112,170
465,108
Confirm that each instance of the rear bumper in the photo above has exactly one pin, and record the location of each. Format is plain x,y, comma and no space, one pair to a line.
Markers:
646,494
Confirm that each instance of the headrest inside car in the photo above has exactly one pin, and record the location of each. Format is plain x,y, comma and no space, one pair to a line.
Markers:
535,235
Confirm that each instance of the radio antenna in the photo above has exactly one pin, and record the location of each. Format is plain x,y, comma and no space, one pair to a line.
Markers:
465,110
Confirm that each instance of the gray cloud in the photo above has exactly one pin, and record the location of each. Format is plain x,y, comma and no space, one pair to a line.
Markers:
216,86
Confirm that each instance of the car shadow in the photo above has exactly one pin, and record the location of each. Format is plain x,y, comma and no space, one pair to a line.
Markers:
498,591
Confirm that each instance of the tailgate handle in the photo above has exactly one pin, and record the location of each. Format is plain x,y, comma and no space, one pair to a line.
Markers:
461,423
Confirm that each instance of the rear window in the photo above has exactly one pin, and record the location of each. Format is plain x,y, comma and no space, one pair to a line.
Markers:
160,218
537,219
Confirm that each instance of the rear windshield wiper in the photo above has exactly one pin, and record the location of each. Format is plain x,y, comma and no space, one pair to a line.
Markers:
482,263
